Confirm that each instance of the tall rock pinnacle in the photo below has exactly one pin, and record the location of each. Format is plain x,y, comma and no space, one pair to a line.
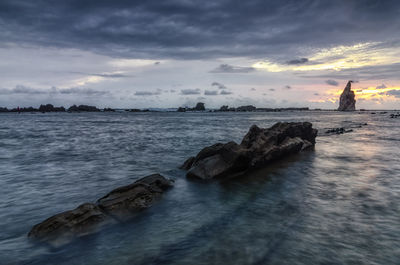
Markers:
347,101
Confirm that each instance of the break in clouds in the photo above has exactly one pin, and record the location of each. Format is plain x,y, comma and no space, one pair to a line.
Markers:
124,53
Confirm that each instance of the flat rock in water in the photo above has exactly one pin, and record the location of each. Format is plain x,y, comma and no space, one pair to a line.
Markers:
119,205
85,219
258,148
124,201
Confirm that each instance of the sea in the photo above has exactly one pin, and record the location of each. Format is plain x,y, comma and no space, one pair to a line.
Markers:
337,204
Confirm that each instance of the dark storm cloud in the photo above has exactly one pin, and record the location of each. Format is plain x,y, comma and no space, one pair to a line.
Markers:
374,72
190,91
297,61
148,93
20,89
226,92
197,29
79,91
211,92
226,68
332,82
219,85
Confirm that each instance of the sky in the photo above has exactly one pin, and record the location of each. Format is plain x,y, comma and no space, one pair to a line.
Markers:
172,53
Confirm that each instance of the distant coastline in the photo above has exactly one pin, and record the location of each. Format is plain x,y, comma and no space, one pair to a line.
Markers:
200,107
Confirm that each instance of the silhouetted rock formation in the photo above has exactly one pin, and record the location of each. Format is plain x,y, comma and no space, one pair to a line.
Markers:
118,205
108,110
199,107
347,101
251,108
224,108
246,108
258,148
83,108
50,108
340,130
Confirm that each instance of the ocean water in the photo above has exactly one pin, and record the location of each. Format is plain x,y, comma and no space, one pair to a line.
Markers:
338,204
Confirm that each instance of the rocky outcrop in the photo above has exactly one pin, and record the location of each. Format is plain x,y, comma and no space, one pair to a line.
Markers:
119,205
85,108
125,201
258,148
50,108
347,101
395,115
200,106
340,130
246,108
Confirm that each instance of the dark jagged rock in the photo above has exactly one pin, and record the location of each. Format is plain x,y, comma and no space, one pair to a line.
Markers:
397,115
85,108
28,109
199,107
338,130
50,108
224,108
258,148
127,200
108,110
188,163
118,205
347,101
246,108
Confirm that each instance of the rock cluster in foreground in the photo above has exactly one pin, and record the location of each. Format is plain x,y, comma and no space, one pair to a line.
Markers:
347,101
258,148
117,206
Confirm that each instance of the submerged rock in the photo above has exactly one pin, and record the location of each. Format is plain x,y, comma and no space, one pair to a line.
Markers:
347,101
257,149
118,205
61,228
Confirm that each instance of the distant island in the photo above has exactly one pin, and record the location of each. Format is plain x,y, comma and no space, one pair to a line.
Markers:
200,107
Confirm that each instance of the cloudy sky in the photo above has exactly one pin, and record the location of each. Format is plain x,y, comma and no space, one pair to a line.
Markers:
171,53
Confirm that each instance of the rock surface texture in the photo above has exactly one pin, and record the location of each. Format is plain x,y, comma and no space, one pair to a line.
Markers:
258,148
347,101
119,205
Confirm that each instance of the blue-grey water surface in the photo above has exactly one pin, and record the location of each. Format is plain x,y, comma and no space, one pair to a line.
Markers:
338,204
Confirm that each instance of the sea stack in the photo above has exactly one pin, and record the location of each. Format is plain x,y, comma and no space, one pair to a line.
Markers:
347,101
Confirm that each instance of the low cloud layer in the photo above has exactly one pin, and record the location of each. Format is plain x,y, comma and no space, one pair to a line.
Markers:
20,89
332,82
226,68
196,91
